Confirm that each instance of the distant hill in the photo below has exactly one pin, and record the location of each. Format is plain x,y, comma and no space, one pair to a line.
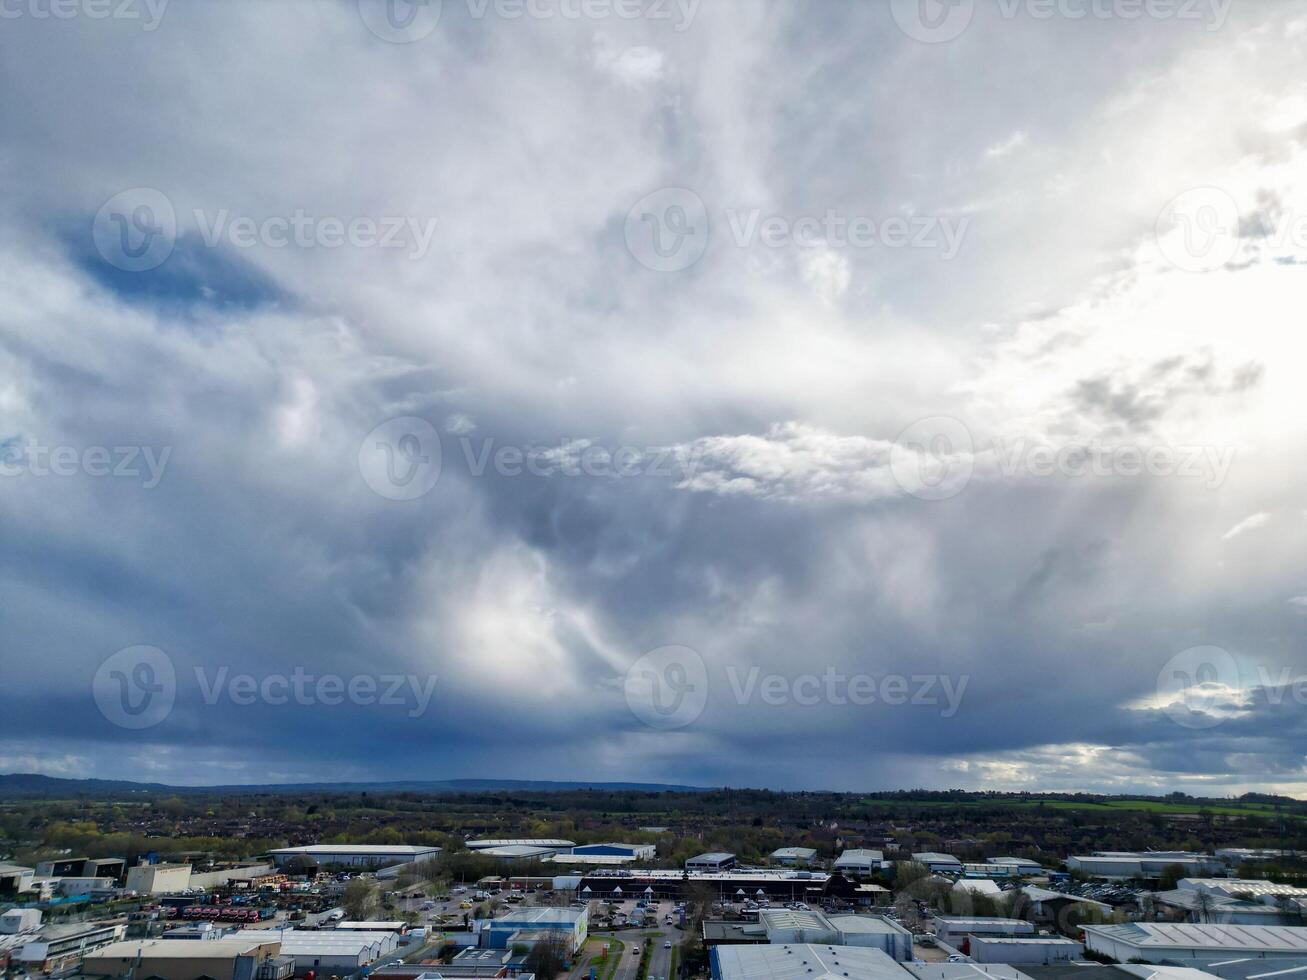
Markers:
29,785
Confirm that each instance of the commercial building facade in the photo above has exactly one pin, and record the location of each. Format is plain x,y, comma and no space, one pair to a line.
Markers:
354,855
158,879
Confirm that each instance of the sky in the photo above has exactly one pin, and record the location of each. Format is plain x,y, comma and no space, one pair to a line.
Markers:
845,396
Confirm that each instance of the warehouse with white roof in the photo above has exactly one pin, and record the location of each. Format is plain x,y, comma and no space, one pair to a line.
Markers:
803,961
859,862
1157,942
355,855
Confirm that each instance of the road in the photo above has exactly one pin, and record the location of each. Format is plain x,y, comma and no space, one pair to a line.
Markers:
660,956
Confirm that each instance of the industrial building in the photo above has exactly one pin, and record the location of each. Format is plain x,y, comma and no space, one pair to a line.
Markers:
59,867
802,961
186,959
571,923
553,844
776,883
633,852
859,862
57,947
711,861
1145,864
1052,906
114,868
1020,866
1254,889
982,887
1186,904
158,879
938,863
800,926
355,855
794,856
952,929
15,879
1023,949
1157,942
328,952
517,852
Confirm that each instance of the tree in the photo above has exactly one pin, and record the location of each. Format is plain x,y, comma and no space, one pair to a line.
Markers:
1171,876
548,958
360,899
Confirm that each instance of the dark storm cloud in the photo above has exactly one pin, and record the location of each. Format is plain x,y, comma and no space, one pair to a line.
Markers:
774,538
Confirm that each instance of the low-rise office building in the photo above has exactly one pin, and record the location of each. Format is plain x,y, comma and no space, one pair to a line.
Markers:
859,862
59,947
1156,942
794,856
938,863
711,861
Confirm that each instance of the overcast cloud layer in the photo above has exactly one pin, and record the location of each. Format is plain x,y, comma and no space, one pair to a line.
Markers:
930,386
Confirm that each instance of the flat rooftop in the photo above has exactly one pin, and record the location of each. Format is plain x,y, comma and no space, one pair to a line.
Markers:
379,849
803,961
1217,938
180,949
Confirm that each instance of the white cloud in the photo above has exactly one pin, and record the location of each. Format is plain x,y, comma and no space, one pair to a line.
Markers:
1249,523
